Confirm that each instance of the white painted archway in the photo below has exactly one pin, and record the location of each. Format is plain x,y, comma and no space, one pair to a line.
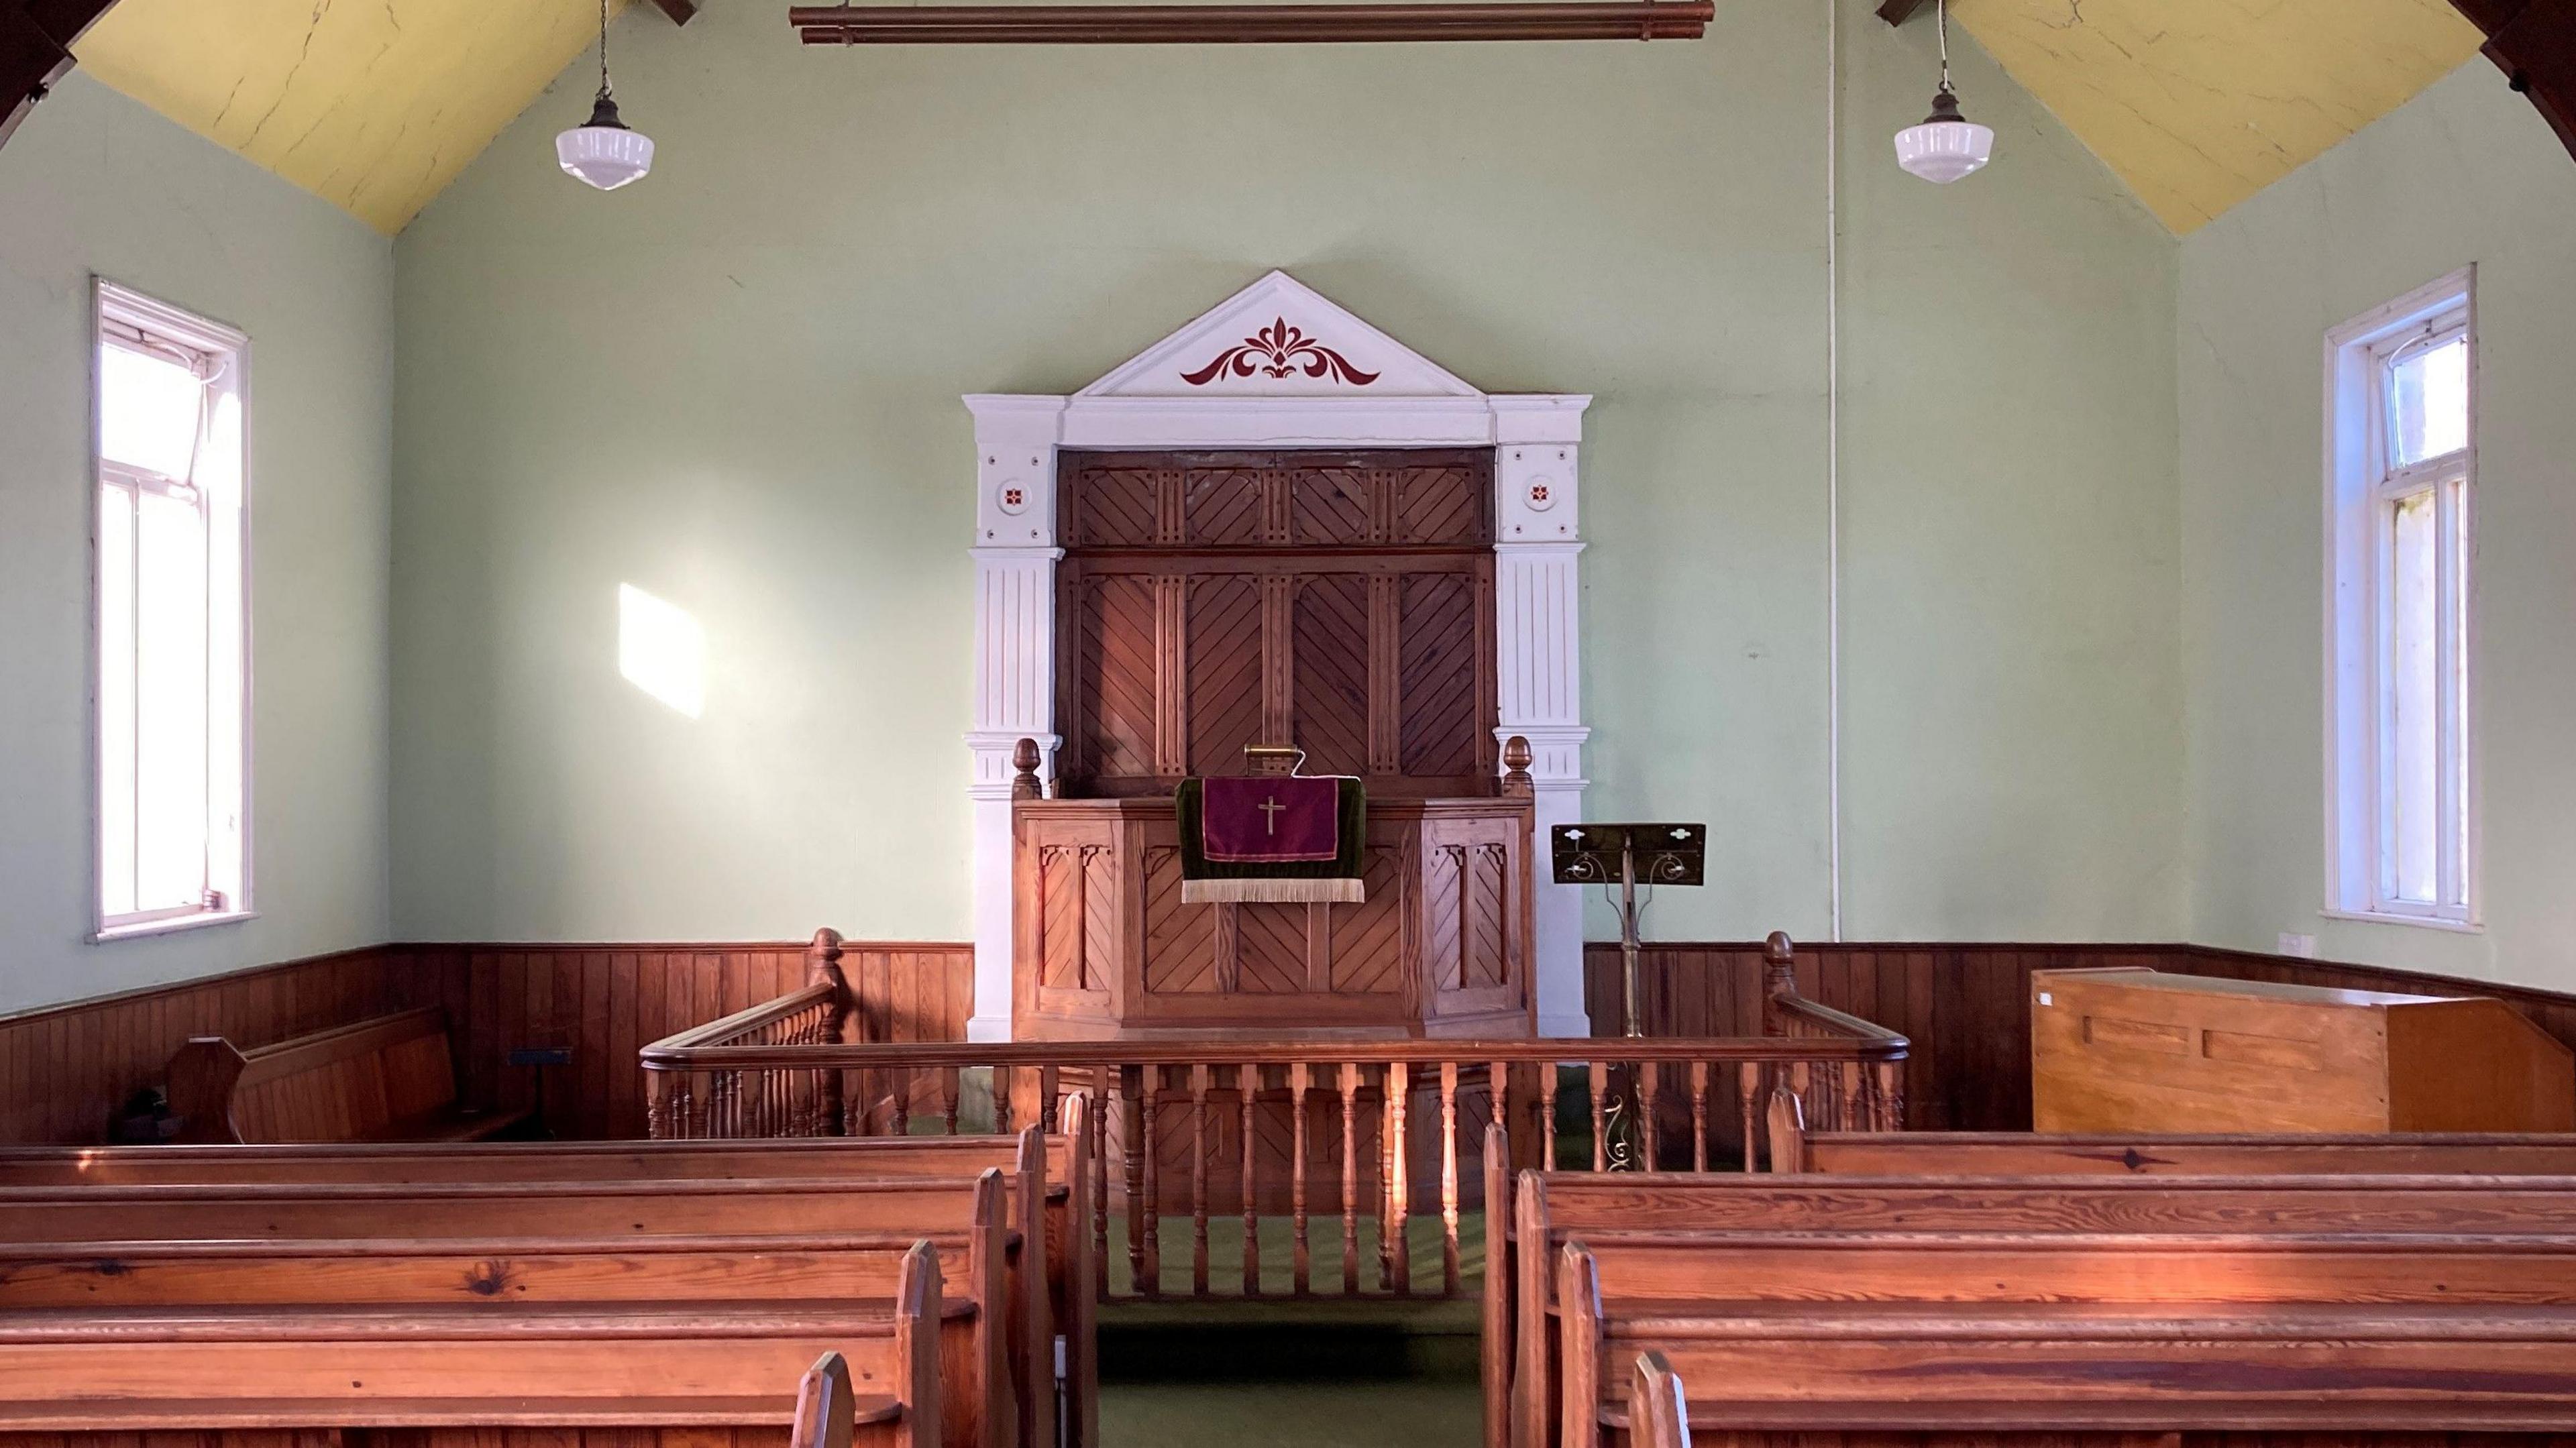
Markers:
1277,365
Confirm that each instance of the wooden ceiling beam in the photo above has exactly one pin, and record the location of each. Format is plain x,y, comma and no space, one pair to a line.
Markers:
1233,24
2534,42
1897,12
36,50
679,10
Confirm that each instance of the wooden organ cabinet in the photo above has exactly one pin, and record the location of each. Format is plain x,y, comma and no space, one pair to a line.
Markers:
1341,602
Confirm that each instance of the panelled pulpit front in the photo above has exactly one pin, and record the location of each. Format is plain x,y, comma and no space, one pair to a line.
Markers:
1107,948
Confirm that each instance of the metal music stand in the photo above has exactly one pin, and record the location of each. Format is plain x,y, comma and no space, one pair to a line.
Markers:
1631,855
1666,854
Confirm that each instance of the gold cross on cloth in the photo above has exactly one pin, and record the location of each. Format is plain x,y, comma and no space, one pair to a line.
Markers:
1270,809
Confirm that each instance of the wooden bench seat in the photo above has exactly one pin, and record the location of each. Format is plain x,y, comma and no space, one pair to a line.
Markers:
1049,1180
1846,1304
667,1366
1996,1154
532,1258
392,1078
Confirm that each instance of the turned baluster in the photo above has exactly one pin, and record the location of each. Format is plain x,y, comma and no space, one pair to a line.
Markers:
956,1081
1198,1181
1849,1106
1699,1115
1247,1083
1395,1243
1131,1094
1300,1254
1600,1083
657,1105
1150,1147
1748,1090
1648,1074
1350,1179
1547,1084
1449,1276
1096,1104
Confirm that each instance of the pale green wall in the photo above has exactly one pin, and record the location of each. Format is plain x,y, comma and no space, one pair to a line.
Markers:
2467,172
93,182
736,384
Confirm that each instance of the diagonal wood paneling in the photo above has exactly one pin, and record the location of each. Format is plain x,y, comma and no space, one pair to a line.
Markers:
1119,679
1225,507
1332,506
1330,678
1224,671
1180,940
1270,948
1368,938
1445,505
1437,655
1488,886
1340,601
1113,507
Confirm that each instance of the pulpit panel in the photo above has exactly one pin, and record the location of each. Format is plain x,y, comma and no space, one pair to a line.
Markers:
1341,601
1107,946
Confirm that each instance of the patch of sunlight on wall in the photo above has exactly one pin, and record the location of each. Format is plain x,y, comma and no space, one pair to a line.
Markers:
661,649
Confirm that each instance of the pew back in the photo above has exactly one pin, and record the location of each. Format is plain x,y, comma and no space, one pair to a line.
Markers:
2076,1304
1995,1154
392,1077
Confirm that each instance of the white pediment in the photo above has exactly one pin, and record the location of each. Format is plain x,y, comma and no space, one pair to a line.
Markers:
1279,338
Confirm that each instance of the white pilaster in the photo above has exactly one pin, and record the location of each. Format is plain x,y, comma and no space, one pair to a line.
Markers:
1539,663
1015,555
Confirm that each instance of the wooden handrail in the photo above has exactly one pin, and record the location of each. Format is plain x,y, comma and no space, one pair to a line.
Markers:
673,1053
719,1033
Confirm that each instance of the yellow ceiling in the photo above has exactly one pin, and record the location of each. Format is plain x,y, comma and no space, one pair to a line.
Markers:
374,105
377,104
2198,104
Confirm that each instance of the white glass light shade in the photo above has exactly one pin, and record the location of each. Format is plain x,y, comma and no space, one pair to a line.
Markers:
1944,151
604,152
1947,145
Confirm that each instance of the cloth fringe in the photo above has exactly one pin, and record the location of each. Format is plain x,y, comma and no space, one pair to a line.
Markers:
1274,892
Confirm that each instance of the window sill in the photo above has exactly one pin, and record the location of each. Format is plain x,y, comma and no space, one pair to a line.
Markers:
2423,922
110,933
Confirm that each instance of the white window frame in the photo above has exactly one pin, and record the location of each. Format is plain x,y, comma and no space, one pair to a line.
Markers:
116,310
2361,486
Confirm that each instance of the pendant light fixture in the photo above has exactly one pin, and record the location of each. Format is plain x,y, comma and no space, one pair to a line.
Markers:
603,151
1947,145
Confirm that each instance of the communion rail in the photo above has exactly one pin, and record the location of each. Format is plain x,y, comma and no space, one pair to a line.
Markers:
1280,1133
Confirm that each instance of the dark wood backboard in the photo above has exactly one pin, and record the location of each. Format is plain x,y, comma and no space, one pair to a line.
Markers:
1340,601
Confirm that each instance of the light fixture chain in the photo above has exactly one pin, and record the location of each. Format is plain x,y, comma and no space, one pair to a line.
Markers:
1941,11
603,50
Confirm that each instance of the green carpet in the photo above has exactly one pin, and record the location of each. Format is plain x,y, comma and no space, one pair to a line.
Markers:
1429,1414
1278,1241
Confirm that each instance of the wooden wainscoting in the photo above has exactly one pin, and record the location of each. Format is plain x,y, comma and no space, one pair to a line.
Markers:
608,1001
64,1070
1966,1007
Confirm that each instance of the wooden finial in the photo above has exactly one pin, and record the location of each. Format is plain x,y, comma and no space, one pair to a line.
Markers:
1024,763
823,955
1516,763
1779,964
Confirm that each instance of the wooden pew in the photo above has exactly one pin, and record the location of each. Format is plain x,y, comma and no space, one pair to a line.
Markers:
538,1256
827,1410
453,1379
1658,1412
1053,1172
1825,1267
2001,1154
392,1078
